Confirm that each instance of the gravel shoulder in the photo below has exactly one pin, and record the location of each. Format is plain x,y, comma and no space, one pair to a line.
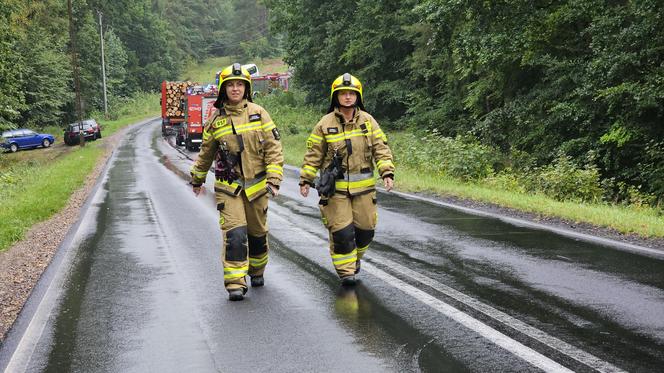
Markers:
22,265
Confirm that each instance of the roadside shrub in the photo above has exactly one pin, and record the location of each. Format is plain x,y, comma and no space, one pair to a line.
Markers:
289,111
460,158
137,103
563,180
629,195
506,180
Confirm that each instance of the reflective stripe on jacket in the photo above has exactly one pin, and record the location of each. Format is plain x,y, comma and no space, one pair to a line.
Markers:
261,159
362,144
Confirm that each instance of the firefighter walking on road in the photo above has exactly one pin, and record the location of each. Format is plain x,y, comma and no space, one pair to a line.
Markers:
346,145
244,142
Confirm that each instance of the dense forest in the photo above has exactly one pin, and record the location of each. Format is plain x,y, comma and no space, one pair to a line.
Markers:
145,42
539,82
536,80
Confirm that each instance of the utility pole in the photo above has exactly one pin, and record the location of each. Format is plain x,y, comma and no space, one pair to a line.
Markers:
77,83
103,66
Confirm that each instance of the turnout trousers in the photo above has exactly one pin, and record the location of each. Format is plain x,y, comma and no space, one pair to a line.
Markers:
351,221
244,230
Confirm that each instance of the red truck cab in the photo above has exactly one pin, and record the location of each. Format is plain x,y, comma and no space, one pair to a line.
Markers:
199,106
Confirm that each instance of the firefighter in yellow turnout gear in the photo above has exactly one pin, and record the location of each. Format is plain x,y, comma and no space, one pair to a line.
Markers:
349,141
244,142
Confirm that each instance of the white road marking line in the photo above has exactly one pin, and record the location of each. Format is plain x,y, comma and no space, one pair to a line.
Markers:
526,353
553,342
493,335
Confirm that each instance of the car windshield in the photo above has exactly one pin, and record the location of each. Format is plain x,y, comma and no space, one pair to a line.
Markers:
75,126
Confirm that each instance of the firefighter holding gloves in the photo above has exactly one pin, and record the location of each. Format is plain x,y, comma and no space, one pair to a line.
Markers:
346,145
244,143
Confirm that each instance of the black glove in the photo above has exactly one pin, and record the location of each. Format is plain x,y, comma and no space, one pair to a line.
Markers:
326,186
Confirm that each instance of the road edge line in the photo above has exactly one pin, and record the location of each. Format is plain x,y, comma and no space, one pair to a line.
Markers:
515,347
559,345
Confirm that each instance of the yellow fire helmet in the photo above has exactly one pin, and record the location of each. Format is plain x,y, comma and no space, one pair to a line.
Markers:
233,72
346,81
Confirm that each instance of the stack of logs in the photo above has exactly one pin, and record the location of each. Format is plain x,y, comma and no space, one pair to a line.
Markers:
175,92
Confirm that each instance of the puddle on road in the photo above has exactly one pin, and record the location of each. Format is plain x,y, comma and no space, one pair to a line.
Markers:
377,330
101,274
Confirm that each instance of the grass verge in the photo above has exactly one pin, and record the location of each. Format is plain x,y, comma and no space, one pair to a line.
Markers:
41,190
35,184
295,121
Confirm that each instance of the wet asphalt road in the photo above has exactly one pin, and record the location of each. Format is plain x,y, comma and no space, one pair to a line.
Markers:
141,290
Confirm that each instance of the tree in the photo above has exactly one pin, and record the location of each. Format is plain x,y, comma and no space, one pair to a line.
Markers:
116,69
581,77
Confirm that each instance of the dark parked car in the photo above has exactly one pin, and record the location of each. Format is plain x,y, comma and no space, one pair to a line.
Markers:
90,129
24,139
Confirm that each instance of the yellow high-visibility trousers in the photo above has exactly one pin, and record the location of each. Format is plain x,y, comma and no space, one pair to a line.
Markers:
244,229
351,221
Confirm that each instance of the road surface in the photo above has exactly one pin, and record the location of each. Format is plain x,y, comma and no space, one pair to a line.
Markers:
138,287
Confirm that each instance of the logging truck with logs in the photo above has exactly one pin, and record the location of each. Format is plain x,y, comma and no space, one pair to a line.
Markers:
172,105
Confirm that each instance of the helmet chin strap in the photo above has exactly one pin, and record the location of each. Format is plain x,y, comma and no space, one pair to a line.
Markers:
347,107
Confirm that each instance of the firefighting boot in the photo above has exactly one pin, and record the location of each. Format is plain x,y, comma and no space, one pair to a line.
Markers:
257,281
348,281
236,294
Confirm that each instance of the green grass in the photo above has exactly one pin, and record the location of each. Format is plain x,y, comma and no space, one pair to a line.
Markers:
295,120
644,222
36,184
205,72
40,190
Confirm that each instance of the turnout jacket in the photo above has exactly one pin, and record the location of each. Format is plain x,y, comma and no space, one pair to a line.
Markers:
361,143
260,161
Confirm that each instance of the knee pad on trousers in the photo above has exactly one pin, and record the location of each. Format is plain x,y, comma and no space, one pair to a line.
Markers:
236,244
257,245
344,240
363,237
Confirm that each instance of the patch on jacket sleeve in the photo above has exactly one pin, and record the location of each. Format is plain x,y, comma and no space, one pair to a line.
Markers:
332,130
254,117
219,122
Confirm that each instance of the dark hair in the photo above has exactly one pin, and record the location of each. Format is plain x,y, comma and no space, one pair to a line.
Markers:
335,102
223,97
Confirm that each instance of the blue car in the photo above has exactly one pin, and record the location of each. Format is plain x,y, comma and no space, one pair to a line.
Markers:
22,138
